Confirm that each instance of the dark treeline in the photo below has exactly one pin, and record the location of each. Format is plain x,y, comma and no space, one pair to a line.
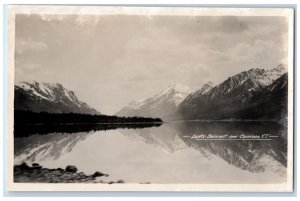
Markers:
27,130
27,123
27,117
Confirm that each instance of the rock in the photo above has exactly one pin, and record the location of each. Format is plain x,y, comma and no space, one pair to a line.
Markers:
99,174
71,168
36,165
36,168
24,166
59,169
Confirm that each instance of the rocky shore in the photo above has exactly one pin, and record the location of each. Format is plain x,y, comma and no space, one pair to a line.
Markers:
37,174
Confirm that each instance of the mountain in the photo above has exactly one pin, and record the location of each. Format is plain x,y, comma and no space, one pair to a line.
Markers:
234,94
160,105
203,90
48,97
270,103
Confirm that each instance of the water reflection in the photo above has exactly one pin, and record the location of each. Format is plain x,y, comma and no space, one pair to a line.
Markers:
166,154
45,147
251,155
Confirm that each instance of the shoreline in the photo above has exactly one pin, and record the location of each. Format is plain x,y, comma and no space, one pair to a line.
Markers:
37,174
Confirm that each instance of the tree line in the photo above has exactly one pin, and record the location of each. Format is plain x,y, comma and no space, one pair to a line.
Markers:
25,130
28,117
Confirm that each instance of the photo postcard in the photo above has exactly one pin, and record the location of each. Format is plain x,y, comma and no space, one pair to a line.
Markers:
105,98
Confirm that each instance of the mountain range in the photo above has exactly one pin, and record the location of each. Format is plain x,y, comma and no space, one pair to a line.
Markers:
253,94
48,97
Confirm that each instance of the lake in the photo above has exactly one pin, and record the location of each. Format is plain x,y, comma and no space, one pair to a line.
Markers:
176,152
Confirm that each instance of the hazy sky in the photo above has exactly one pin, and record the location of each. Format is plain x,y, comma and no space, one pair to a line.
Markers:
109,61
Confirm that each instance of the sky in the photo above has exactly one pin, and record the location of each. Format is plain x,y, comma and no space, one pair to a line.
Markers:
110,60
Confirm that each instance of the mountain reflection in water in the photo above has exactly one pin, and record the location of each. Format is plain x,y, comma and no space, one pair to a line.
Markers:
138,153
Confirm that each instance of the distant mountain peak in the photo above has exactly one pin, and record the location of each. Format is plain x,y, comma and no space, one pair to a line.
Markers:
203,90
179,87
135,104
175,88
207,87
175,93
209,83
159,105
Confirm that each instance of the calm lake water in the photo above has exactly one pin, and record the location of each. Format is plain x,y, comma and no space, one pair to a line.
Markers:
168,153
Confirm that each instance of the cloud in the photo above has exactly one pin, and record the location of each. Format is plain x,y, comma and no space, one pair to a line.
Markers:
224,25
52,18
28,70
159,61
262,53
32,67
80,20
24,45
87,20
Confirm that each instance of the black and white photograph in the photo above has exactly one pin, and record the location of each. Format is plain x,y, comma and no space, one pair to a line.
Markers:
147,98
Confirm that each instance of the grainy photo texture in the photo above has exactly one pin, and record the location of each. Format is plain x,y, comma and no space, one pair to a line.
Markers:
111,98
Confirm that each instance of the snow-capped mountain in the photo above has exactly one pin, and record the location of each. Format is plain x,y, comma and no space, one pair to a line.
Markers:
278,84
240,84
270,103
160,105
227,97
48,97
203,90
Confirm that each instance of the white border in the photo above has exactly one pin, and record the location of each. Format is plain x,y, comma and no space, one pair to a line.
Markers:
138,10
97,10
